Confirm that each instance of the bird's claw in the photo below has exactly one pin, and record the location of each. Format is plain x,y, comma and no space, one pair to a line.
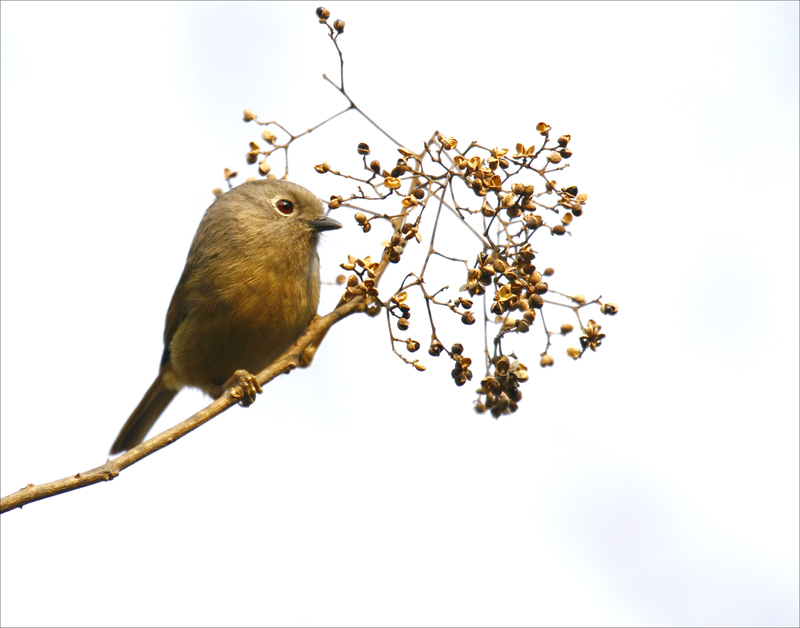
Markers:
247,389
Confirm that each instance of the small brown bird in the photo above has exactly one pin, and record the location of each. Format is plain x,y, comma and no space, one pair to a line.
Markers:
249,289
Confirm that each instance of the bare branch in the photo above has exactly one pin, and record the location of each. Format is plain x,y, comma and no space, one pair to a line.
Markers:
112,468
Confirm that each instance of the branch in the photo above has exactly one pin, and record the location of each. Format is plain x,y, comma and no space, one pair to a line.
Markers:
112,468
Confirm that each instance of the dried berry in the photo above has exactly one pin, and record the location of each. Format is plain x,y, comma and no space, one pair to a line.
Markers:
436,348
609,308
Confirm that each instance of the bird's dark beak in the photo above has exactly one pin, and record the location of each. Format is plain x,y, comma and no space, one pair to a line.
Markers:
325,224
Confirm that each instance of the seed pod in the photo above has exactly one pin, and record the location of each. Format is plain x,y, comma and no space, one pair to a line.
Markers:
363,149
339,26
526,252
402,324
490,384
473,276
436,348
323,13
609,308
533,221
373,308
501,366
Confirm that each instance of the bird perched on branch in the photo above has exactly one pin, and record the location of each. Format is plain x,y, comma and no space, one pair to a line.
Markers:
249,289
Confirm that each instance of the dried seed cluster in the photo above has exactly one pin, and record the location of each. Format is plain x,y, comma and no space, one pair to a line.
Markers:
508,201
500,389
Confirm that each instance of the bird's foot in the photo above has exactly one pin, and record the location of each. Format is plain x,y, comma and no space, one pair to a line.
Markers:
247,389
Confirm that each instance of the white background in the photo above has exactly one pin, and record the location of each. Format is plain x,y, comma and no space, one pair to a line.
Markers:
655,482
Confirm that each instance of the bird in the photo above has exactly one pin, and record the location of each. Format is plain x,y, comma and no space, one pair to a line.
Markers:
249,289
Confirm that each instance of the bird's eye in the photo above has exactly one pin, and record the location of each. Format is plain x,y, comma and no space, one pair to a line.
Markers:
285,207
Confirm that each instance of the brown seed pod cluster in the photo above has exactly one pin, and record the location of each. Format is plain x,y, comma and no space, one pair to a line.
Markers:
461,372
499,391
509,204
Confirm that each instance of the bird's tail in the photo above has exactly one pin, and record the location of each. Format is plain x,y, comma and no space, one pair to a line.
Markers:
154,402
